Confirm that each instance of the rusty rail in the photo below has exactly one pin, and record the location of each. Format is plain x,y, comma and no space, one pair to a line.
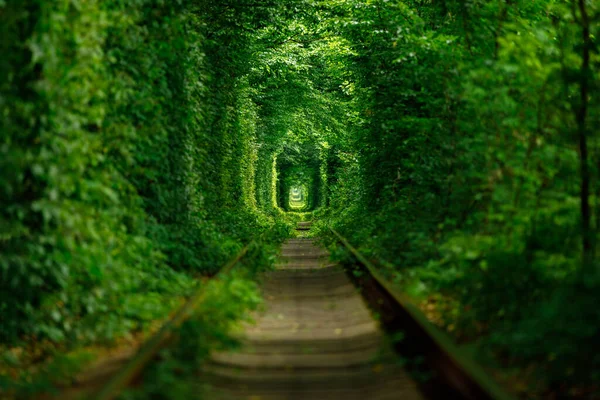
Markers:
458,376
160,339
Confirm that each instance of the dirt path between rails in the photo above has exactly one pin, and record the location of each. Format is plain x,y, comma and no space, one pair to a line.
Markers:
315,339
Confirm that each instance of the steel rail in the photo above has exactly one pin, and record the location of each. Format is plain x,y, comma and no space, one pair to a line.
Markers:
454,368
157,341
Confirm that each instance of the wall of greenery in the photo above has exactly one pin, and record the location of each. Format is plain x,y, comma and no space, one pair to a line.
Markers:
128,157
472,175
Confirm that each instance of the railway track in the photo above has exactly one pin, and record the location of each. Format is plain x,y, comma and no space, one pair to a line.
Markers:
317,338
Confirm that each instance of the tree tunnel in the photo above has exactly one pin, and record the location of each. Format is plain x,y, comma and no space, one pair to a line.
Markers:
144,146
300,177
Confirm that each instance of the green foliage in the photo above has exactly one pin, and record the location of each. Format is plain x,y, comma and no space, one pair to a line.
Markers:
123,174
145,143
25,384
462,175
175,376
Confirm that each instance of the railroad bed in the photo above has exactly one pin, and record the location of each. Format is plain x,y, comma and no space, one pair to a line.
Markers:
315,339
